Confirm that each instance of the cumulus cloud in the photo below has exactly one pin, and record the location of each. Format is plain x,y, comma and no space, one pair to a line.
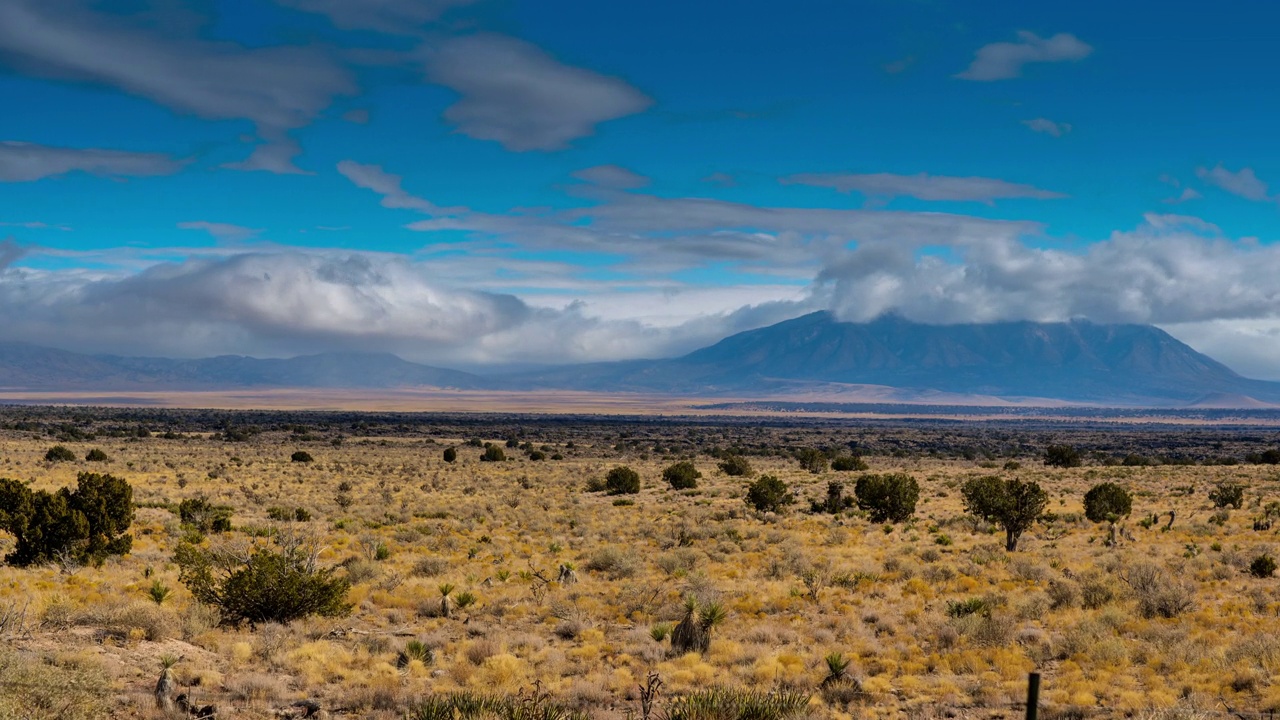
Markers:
516,94
1171,269
1005,60
389,16
1048,127
25,162
922,186
165,60
221,231
1242,182
285,303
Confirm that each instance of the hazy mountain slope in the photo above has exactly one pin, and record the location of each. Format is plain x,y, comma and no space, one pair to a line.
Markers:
1076,361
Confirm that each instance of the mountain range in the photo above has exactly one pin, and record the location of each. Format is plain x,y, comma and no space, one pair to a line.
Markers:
1074,361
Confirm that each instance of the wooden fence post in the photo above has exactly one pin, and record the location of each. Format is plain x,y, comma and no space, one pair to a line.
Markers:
1033,695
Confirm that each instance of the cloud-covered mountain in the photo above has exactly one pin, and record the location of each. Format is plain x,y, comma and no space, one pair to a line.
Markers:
1120,364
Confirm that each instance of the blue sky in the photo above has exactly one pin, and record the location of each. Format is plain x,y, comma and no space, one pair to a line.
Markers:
474,182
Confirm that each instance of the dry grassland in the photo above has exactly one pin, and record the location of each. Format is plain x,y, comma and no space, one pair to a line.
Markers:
797,586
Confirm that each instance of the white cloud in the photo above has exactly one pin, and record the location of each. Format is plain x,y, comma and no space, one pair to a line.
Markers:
1172,269
922,186
1005,60
221,231
1242,182
25,162
166,61
1048,127
514,93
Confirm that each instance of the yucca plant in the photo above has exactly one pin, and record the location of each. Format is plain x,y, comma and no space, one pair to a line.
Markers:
660,631
728,704
445,590
837,668
158,591
415,650
465,599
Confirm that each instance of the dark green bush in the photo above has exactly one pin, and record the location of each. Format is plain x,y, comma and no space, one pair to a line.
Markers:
1107,502
204,516
82,525
450,455
301,456
96,455
1263,566
848,463
622,480
59,453
815,461
887,498
682,475
736,466
493,453
1227,493
769,494
1062,456
271,584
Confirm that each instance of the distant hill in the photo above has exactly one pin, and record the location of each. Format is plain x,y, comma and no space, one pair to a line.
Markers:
1078,361
815,355
30,367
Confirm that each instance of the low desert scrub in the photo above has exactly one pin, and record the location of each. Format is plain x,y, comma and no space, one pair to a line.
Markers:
36,688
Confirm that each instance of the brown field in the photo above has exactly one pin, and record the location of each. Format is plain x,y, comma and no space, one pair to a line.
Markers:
797,586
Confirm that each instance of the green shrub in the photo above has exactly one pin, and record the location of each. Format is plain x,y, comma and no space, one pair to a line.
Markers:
301,456
204,516
1063,456
848,463
493,453
450,455
769,494
682,475
736,466
59,453
82,525
622,480
476,706
735,704
96,455
887,498
1227,493
276,583
1263,566
815,461
1107,502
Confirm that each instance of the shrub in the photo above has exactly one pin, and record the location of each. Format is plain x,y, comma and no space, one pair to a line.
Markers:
301,456
622,480
1013,504
1157,592
1227,493
736,466
836,502
59,453
35,689
682,475
1064,456
450,455
473,706
96,455
276,583
769,494
1107,502
493,453
82,525
725,703
694,631
1263,566
887,498
815,461
204,516
848,463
